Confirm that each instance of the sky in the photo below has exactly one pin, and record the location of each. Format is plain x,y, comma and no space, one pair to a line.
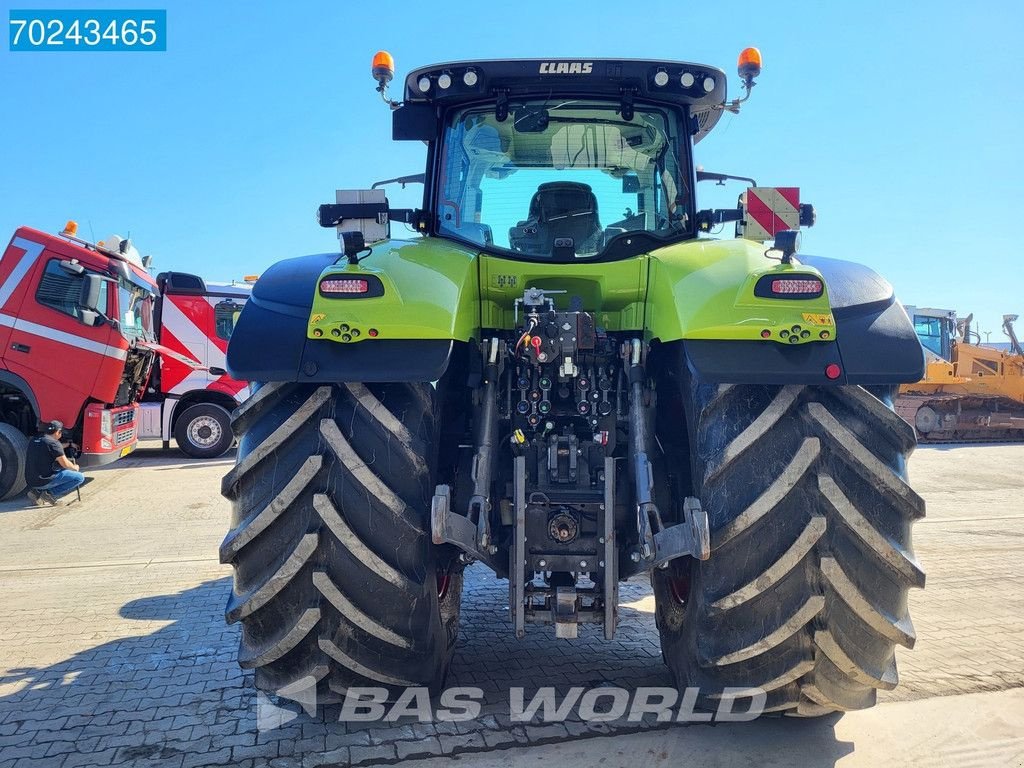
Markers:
900,122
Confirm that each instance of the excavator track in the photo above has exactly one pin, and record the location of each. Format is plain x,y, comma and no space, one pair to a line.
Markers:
972,416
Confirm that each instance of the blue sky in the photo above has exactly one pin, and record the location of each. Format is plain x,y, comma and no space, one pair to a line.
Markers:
901,122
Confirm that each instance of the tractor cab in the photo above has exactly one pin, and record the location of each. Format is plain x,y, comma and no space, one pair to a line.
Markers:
545,160
540,160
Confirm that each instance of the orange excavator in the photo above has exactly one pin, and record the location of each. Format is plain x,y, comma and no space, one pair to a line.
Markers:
970,392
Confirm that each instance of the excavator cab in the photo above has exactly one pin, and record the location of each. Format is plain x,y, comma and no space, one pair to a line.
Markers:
936,328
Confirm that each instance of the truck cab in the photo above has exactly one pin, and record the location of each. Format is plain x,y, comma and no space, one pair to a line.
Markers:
76,334
194,320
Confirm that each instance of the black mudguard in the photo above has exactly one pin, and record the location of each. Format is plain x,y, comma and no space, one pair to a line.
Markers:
875,340
269,342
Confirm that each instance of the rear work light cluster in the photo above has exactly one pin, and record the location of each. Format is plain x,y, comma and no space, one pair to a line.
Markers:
346,285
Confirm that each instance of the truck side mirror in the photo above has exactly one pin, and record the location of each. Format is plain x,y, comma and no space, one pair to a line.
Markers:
89,298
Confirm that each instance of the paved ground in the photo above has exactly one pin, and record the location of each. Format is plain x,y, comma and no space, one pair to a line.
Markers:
966,731
113,650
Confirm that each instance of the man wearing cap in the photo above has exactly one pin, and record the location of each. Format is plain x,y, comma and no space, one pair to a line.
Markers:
49,473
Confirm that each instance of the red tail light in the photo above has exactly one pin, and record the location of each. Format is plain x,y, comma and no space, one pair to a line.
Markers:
346,285
788,287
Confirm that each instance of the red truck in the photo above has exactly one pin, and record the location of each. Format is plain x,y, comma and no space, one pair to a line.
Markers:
76,344
194,319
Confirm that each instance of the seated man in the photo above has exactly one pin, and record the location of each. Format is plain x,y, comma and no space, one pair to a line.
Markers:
49,473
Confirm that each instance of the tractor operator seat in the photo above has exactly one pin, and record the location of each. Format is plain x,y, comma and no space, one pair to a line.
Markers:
559,209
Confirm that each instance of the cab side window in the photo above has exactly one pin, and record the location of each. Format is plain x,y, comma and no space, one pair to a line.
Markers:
62,291
929,331
225,316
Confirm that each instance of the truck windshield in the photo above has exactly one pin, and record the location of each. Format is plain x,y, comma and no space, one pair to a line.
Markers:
562,178
135,305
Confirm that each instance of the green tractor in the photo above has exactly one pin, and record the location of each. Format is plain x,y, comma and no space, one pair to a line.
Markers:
564,377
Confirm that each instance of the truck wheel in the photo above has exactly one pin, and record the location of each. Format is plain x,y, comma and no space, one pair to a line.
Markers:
204,431
13,445
805,593
337,582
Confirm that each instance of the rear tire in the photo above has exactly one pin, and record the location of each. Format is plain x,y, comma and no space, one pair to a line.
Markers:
805,593
337,583
203,431
13,447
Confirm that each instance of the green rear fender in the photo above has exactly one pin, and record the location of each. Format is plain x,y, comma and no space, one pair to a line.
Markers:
430,291
704,289
702,306
425,302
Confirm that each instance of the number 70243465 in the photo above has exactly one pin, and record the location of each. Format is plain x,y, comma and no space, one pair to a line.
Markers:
82,30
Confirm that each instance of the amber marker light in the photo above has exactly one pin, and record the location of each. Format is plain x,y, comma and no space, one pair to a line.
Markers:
749,63
383,67
70,229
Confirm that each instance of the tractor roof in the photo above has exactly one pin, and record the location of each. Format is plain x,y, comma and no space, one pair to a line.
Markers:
698,86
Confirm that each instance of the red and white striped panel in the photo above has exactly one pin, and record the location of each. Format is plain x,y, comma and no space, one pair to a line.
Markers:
769,210
189,329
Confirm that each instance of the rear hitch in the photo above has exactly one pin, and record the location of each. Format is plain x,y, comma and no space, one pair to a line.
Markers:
639,439
449,527
471,532
688,538
483,460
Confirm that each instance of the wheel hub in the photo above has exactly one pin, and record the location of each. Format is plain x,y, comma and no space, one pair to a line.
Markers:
204,431
926,419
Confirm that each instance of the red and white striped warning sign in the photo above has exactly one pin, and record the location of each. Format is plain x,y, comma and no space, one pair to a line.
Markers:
770,210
